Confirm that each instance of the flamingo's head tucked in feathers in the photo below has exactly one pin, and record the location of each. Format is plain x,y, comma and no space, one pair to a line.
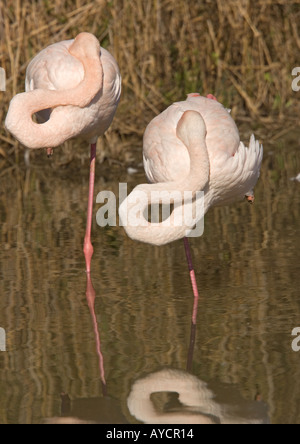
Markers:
193,145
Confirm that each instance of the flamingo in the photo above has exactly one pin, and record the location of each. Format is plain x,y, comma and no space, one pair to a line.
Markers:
74,88
193,145
196,402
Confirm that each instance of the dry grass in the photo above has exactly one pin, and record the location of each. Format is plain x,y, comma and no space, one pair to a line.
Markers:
241,51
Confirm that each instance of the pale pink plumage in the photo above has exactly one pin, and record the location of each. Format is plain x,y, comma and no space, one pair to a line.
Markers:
74,86
178,145
74,89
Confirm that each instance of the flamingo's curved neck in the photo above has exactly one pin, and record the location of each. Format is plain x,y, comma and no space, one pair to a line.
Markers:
192,131
191,392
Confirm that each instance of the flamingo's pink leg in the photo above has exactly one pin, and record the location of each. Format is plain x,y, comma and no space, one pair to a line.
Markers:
193,279
88,247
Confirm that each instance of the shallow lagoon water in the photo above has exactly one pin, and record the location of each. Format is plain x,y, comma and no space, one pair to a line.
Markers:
76,348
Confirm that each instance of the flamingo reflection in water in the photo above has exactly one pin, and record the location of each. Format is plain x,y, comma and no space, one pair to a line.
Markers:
194,402
96,410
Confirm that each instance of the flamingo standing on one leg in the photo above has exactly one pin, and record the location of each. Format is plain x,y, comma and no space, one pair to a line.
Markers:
193,146
74,86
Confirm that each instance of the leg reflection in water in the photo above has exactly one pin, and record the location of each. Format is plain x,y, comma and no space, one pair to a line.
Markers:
97,410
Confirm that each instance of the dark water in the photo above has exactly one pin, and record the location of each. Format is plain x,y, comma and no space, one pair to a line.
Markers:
77,348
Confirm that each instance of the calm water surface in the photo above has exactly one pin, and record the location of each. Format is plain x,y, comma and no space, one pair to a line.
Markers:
84,349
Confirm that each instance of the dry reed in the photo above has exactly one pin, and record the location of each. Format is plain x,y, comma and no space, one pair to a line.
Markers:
241,51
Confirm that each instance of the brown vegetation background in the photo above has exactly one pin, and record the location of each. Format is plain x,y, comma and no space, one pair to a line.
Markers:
242,51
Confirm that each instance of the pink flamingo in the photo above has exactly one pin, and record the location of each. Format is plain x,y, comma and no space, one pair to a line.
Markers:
74,88
193,146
